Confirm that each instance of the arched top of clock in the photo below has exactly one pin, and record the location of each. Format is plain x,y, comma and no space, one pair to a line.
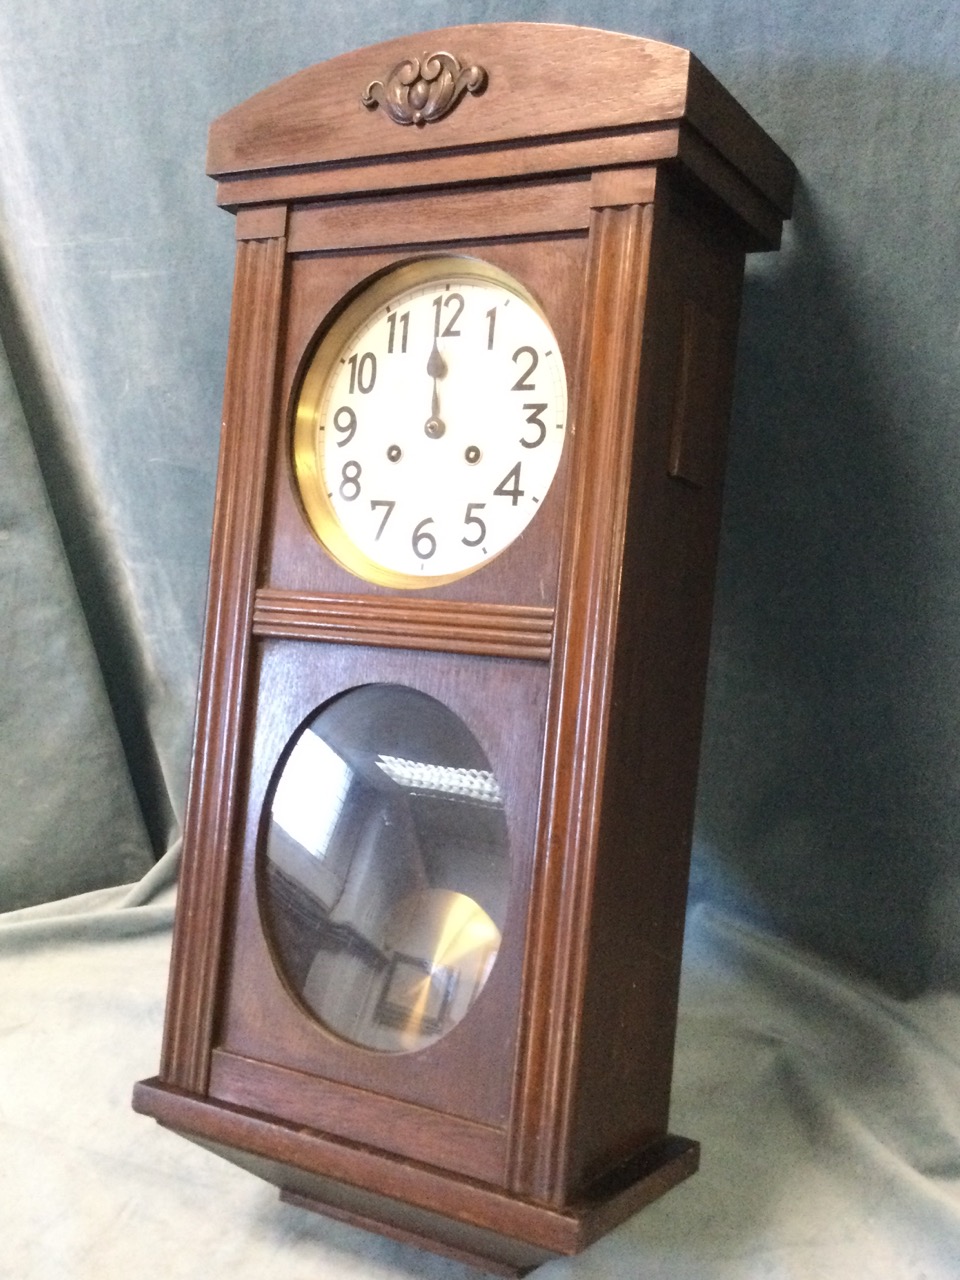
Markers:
504,99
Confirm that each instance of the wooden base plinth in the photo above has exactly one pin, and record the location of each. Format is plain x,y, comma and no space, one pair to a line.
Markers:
418,1204
450,1239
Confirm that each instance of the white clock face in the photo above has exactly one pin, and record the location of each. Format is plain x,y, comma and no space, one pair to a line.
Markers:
430,423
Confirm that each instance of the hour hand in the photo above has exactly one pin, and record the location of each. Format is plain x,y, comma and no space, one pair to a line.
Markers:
436,365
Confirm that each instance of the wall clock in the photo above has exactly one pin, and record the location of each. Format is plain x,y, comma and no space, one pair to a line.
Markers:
428,941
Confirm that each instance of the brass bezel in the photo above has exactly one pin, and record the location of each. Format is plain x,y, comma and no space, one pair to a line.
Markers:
317,508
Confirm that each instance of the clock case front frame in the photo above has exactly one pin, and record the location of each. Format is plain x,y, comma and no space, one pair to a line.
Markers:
629,223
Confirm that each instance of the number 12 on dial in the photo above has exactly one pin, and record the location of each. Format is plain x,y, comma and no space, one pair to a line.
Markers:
430,422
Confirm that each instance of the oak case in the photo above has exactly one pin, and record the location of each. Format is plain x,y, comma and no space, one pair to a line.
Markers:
621,186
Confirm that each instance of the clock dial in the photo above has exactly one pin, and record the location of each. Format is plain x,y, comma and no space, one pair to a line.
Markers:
430,423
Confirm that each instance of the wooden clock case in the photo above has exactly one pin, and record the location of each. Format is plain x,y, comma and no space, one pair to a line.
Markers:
622,185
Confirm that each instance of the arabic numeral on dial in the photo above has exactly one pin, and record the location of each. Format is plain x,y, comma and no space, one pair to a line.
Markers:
424,543
363,372
388,512
535,421
507,490
492,319
440,303
404,320
528,354
345,421
470,518
350,481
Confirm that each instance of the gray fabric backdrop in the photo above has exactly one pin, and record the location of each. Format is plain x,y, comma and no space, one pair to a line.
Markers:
828,803
828,810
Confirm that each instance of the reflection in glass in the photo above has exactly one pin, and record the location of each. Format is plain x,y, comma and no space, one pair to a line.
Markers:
386,867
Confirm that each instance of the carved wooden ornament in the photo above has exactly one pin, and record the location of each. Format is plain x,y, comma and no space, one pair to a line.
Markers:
417,92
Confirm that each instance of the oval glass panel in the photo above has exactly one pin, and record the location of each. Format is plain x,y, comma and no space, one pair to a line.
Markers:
385,868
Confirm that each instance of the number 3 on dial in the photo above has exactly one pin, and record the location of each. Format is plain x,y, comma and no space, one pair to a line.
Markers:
445,381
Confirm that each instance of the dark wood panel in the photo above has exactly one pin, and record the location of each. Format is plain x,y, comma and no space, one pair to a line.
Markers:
634,185
375,1184
656,688
503,703
725,125
508,631
704,349
580,702
292,1148
214,793
459,1242
265,222
477,1151
542,79
755,215
527,158
442,216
